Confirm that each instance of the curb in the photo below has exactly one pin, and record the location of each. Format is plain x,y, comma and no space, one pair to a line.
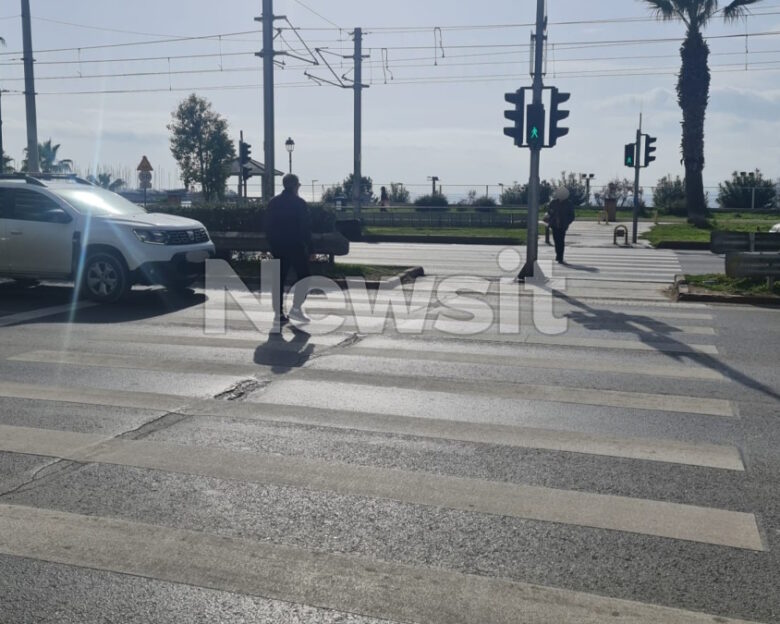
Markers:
684,245
442,240
681,292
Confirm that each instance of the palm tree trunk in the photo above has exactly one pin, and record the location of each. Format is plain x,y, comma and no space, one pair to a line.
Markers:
693,90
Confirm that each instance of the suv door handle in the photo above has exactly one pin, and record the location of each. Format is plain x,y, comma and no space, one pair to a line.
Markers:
16,233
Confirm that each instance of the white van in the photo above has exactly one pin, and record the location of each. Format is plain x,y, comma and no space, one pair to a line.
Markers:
64,228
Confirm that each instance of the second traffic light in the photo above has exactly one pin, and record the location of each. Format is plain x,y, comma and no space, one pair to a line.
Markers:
517,115
535,126
649,149
556,115
244,150
629,155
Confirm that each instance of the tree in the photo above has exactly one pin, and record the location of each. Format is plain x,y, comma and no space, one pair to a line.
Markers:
517,194
201,145
47,159
669,196
621,191
7,167
366,187
739,191
104,180
693,87
577,190
398,193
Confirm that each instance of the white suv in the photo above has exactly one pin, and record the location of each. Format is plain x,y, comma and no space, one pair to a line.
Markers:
68,229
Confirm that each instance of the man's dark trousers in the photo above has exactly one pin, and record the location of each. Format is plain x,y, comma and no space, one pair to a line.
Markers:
293,257
559,236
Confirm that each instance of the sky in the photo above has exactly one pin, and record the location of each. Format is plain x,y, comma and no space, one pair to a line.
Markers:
109,73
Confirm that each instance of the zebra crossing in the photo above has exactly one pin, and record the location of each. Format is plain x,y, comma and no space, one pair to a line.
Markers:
421,477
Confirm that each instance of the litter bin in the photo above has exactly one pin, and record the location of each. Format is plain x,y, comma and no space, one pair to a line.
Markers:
610,207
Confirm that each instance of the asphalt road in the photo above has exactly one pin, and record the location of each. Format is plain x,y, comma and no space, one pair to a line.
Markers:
626,470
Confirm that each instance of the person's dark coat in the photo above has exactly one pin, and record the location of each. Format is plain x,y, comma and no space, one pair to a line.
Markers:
287,225
561,214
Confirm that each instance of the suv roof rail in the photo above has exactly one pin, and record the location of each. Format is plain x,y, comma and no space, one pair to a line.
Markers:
60,176
38,178
21,176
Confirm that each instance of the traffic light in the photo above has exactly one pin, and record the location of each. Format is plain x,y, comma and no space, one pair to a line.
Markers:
244,150
649,149
534,131
557,115
630,155
517,115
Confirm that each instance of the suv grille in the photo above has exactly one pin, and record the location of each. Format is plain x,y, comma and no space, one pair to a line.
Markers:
187,237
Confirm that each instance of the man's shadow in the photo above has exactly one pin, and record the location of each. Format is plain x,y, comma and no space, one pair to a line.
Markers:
284,355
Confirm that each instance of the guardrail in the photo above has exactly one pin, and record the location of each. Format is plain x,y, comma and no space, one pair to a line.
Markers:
329,243
747,264
445,219
727,242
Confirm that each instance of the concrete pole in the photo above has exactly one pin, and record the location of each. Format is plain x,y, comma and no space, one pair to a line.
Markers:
532,246
358,140
33,159
2,161
269,177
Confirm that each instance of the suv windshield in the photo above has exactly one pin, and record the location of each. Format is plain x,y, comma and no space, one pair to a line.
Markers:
97,201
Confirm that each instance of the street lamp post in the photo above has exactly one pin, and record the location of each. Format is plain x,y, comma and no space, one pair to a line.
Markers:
289,145
587,177
434,180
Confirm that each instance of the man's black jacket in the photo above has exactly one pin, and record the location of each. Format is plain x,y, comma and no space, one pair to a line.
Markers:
287,223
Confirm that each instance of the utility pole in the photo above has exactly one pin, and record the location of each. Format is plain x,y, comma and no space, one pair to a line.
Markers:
357,176
33,163
240,167
532,246
2,160
268,54
637,159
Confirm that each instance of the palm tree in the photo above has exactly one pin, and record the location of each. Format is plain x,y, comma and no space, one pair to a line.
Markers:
47,155
104,180
693,86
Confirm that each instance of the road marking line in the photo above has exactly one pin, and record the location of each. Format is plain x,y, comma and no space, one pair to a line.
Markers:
357,585
648,449
428,388
601,511
94,396
32,315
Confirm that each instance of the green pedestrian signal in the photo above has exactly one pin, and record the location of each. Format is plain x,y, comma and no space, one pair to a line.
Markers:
534,135
629,155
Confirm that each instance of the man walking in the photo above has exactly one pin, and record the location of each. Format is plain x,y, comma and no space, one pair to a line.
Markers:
561,216
289,236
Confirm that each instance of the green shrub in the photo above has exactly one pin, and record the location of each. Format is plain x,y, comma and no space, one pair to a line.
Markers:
437,202
485,204
669,196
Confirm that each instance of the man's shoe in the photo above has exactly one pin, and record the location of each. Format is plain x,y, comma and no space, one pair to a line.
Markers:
297,315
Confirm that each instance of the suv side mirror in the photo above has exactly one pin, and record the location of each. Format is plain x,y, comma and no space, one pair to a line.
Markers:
57,215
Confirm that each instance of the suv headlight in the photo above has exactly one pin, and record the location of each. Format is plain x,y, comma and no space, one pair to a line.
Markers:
154,237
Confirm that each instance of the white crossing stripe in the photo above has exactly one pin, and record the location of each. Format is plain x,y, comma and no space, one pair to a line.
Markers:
93,396
394,392
601,511
348,584
647,449
32,315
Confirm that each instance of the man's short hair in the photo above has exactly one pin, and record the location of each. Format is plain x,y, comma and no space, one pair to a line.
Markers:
290,182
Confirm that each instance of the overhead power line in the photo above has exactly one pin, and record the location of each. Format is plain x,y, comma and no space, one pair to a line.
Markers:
322,17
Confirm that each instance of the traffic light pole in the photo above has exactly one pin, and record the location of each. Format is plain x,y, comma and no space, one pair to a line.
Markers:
637,160
532,245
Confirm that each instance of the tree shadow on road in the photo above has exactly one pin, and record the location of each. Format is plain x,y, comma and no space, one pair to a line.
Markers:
659,336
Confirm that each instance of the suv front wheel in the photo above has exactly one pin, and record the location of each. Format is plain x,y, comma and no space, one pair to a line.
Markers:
104,278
